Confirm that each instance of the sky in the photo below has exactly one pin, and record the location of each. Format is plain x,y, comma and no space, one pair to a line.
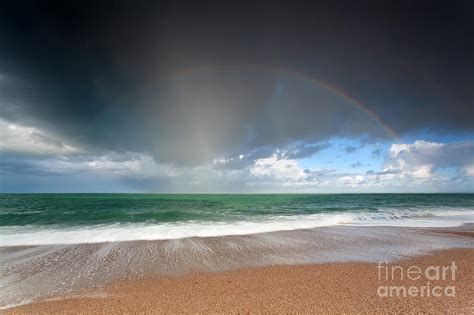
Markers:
237,97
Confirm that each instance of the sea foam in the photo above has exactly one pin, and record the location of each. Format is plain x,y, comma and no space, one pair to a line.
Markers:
34,235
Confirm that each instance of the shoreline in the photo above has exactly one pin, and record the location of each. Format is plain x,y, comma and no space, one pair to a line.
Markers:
18,236
34,274
321,288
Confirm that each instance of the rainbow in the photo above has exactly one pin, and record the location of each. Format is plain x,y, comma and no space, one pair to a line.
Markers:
316,81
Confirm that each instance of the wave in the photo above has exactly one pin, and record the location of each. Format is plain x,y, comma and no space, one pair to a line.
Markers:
37,235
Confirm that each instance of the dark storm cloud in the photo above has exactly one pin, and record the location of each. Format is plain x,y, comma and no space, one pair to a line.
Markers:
21,166
119,75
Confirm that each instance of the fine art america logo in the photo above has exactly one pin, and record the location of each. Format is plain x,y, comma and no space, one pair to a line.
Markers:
399,281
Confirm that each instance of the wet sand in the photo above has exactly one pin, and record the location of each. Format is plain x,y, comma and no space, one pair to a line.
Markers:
319,270
335,288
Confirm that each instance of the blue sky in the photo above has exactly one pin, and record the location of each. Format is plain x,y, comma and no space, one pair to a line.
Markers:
361,156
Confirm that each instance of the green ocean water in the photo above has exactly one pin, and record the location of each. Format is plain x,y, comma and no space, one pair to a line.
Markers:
173,215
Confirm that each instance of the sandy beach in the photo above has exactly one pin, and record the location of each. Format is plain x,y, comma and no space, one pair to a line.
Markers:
321,288
281,274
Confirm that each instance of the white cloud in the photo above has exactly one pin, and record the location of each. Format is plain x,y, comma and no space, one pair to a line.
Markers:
469,170
423,159
419,166
129,163
22,139
354,179
125,165
278,169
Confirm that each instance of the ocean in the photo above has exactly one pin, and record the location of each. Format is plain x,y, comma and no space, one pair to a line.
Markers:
38,219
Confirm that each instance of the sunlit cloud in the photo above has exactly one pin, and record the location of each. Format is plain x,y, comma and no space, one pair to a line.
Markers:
30,140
